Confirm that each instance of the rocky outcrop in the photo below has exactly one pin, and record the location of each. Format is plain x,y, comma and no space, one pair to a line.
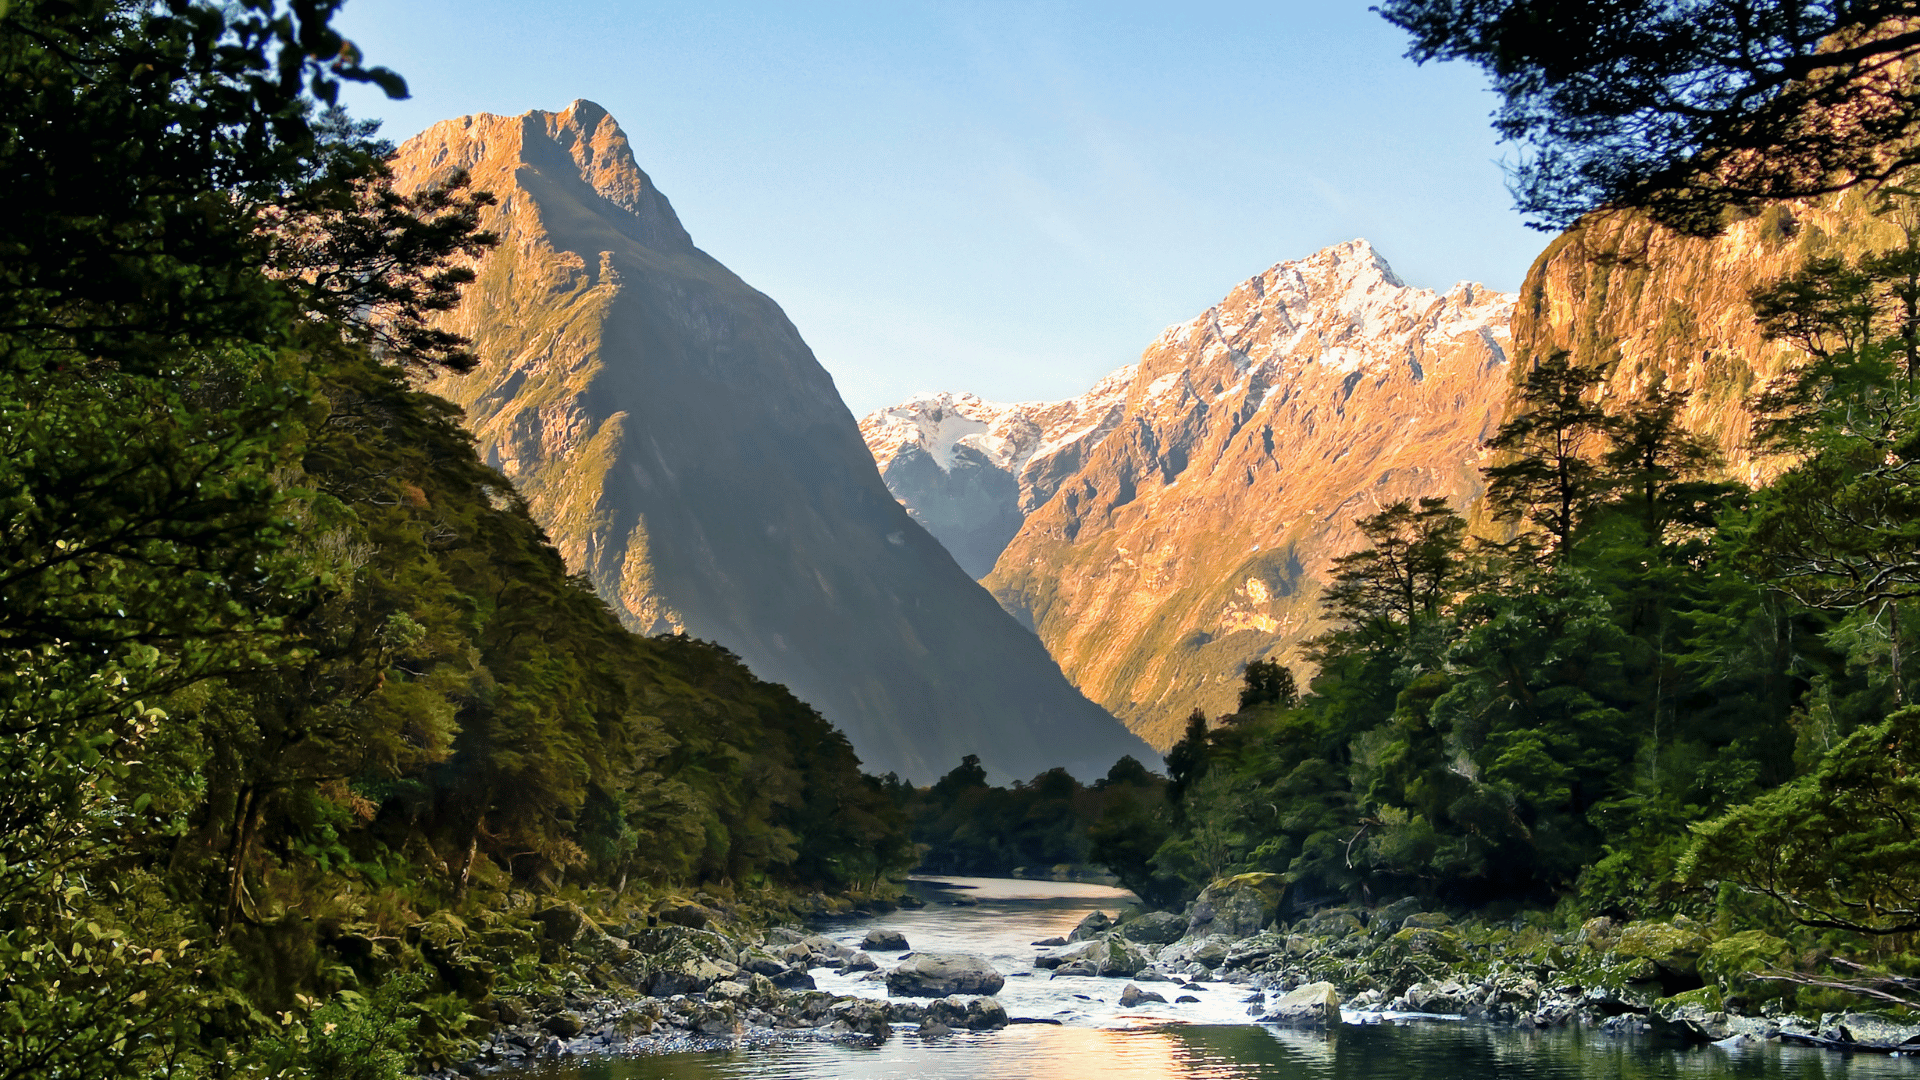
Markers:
1186,529
687,454
1664,308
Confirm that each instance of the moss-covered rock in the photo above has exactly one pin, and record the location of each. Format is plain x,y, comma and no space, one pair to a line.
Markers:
1332,923
1675,950
1237,906
1421,942
1697,1014
1154,928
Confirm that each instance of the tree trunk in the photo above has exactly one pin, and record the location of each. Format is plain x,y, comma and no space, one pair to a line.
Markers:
1899,691
246,822
466,868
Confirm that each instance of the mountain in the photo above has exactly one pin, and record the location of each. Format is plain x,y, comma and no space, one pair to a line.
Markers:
688,455
971,471
1660,306
1185,523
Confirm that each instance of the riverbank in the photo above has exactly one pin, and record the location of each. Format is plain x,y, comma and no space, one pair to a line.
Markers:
1673,977
1230,958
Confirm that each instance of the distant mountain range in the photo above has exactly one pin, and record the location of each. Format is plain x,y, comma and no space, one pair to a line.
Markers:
1177,520
691,458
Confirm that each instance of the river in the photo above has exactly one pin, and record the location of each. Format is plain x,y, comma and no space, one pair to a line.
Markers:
1209,1039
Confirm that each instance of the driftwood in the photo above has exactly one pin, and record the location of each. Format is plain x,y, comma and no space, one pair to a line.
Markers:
1849,1046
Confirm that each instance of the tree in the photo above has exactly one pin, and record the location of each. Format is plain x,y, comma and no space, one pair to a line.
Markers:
1838,849
1654,465
1548,481
1404,577
1685,107
1840,529
1268,682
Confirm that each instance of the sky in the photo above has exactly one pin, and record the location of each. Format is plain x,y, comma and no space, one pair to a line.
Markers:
1005,198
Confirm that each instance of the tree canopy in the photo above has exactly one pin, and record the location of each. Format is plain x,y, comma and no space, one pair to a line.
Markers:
1684,107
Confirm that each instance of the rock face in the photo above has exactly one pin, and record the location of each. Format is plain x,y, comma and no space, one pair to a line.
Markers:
1674,309
1164,547
688,455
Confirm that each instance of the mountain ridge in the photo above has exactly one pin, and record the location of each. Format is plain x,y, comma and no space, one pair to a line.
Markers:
1193,536
688,454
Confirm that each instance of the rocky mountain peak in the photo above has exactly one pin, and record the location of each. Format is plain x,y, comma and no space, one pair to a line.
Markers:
581,146
1188,531
690,457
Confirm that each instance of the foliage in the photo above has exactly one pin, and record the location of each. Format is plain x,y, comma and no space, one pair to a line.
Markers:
284,669
1837,848
1549,480
1839,528
963,825
1685,107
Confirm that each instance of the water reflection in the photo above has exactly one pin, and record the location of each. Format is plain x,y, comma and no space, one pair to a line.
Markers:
1411,1052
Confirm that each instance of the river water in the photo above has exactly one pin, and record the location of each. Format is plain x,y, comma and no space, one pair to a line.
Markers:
1211,1039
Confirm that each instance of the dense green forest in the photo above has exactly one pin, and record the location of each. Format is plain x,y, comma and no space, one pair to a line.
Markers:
963,825
285,673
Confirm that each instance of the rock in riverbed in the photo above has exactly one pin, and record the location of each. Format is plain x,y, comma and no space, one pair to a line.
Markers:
1312,1005
942,974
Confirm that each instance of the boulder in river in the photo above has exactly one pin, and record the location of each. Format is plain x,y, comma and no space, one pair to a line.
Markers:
972,1013
942,974
1133,996
1154,928
1113,957
1095,924
1312,1005
1239,905
878,940
1696,1014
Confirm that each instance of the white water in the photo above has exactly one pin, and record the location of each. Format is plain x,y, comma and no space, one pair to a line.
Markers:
1005,919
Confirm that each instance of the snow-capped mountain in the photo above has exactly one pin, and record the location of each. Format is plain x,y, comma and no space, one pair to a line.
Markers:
969,470
1189,530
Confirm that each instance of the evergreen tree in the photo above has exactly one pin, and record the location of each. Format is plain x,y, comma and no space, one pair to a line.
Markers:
1549,478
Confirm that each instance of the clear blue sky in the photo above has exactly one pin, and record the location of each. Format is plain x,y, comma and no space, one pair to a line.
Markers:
1007,198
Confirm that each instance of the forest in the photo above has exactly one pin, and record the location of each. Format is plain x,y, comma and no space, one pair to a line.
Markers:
294,692
289,675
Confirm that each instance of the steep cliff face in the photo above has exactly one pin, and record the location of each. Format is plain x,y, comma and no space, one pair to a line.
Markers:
688,454
1671,309
1195,535
972,470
